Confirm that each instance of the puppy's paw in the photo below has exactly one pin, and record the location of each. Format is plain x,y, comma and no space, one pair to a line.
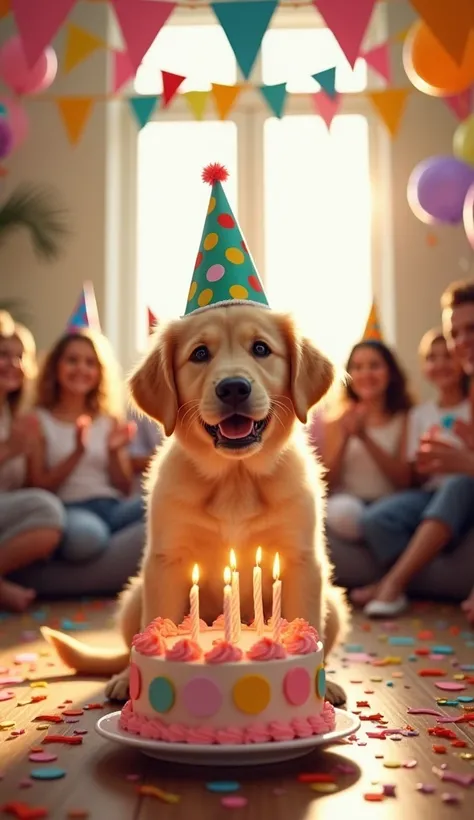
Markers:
117,687
335,694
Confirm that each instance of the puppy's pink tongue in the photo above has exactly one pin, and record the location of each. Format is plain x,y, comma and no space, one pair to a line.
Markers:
236,427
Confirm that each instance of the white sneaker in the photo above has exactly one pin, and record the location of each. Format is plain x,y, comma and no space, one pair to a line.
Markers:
386,609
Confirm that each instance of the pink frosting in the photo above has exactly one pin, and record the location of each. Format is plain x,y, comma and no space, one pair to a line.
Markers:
219,622
150,642
156,729
184,650
300,643
266,650
185,625
223,652
299,625
283,623
167,628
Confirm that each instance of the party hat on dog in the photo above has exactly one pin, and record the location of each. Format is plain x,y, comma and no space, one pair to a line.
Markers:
224,273
85,315
372,332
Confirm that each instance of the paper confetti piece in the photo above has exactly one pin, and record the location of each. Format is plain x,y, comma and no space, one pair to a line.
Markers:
425,788
154,791
26,657
69,740
234,802
401,640
23,811
6,695
223,786
450,686
42,757
10,680
442,650
48,774
323,788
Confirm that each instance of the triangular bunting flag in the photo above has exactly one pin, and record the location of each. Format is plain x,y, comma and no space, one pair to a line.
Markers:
244,25
461,104
275,96
122,70
140,22
171,84
152,321
348,21
38,28
85,315
225,97
326,107
390,106
143,108
378,59
197,101
75,111
5,8
372,331
327,80
450,22
80,44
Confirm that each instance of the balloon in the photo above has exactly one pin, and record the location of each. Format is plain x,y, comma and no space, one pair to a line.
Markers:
17,119
437,189
468,216
431,69
16,73
6,138
463,142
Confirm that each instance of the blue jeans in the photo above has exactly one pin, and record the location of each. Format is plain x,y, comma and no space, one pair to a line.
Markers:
389,524
90,524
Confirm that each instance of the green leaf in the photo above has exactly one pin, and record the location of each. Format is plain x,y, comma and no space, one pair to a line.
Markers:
37,210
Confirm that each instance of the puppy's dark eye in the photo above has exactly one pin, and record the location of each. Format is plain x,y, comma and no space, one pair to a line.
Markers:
200,354
261,349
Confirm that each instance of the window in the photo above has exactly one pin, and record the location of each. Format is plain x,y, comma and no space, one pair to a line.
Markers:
302,195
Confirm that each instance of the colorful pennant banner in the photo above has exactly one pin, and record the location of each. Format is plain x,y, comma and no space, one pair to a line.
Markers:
38,30
225,97
390,105
122,70
143,108
171,84
80,44
349,21
75,112
244,25
197,101
327,80
378,59
141,21
326,107
450,21
275,96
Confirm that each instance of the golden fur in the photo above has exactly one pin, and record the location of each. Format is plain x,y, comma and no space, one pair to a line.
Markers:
204,500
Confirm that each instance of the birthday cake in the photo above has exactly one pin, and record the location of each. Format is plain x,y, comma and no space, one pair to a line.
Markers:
210,690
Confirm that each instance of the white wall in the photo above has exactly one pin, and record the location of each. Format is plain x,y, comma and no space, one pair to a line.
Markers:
86,178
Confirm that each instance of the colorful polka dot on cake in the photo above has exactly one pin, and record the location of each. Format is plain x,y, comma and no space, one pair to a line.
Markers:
202,697
161,694
297,686
320,682
135,683
251,694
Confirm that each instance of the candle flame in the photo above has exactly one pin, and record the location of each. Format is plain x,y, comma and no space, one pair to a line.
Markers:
233,560
259,556
276,568
195,575
227,575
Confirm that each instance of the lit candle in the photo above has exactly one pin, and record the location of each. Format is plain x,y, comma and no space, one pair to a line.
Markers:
227,605
235,599
276,610
257,593
194,603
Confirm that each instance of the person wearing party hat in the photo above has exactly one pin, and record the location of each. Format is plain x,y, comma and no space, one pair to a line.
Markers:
224,272
363,438
148,435
84,454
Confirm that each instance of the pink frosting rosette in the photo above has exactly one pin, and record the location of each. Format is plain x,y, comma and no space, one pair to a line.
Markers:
258,733
166,627
177,733
152,730
299,625
219,622
201,735
185,625
301,727
266,649
184,650
150,642
231,736
223,652
279,730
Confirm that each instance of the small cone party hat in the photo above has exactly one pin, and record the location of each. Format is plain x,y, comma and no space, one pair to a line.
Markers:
372,332
151,321
224,273
85,315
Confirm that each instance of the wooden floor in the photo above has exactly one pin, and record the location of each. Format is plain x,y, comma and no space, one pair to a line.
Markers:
101,780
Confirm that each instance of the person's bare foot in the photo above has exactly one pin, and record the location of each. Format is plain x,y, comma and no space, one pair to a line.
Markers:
360,596
15,598
467,607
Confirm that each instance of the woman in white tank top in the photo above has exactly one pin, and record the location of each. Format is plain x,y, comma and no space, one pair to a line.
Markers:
363,446
82,455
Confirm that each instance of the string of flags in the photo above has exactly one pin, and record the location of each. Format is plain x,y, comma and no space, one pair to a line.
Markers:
244,24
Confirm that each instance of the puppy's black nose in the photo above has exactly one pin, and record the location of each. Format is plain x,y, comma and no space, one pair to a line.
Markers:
233,390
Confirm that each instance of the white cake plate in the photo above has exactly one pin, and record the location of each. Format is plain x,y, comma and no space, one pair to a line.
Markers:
252,754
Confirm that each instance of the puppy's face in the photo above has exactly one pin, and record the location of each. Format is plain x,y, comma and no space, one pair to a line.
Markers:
231,379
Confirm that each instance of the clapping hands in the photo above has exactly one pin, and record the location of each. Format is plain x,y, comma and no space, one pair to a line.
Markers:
121,435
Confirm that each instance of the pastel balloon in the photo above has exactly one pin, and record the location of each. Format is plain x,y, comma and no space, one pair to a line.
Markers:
437,190
17,74
463,141
468,216
17,119
431,69
6,138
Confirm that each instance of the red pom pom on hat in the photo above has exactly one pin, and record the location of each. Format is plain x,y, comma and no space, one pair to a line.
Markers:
215,172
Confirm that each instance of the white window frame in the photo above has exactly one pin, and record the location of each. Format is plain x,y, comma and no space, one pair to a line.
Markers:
249,115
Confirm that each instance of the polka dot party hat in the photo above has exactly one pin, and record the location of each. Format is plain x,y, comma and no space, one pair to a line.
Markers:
224,273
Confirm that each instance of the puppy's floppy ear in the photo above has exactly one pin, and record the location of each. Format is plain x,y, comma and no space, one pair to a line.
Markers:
312,374
152,383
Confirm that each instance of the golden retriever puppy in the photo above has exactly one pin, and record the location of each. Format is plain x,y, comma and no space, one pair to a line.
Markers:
231,387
